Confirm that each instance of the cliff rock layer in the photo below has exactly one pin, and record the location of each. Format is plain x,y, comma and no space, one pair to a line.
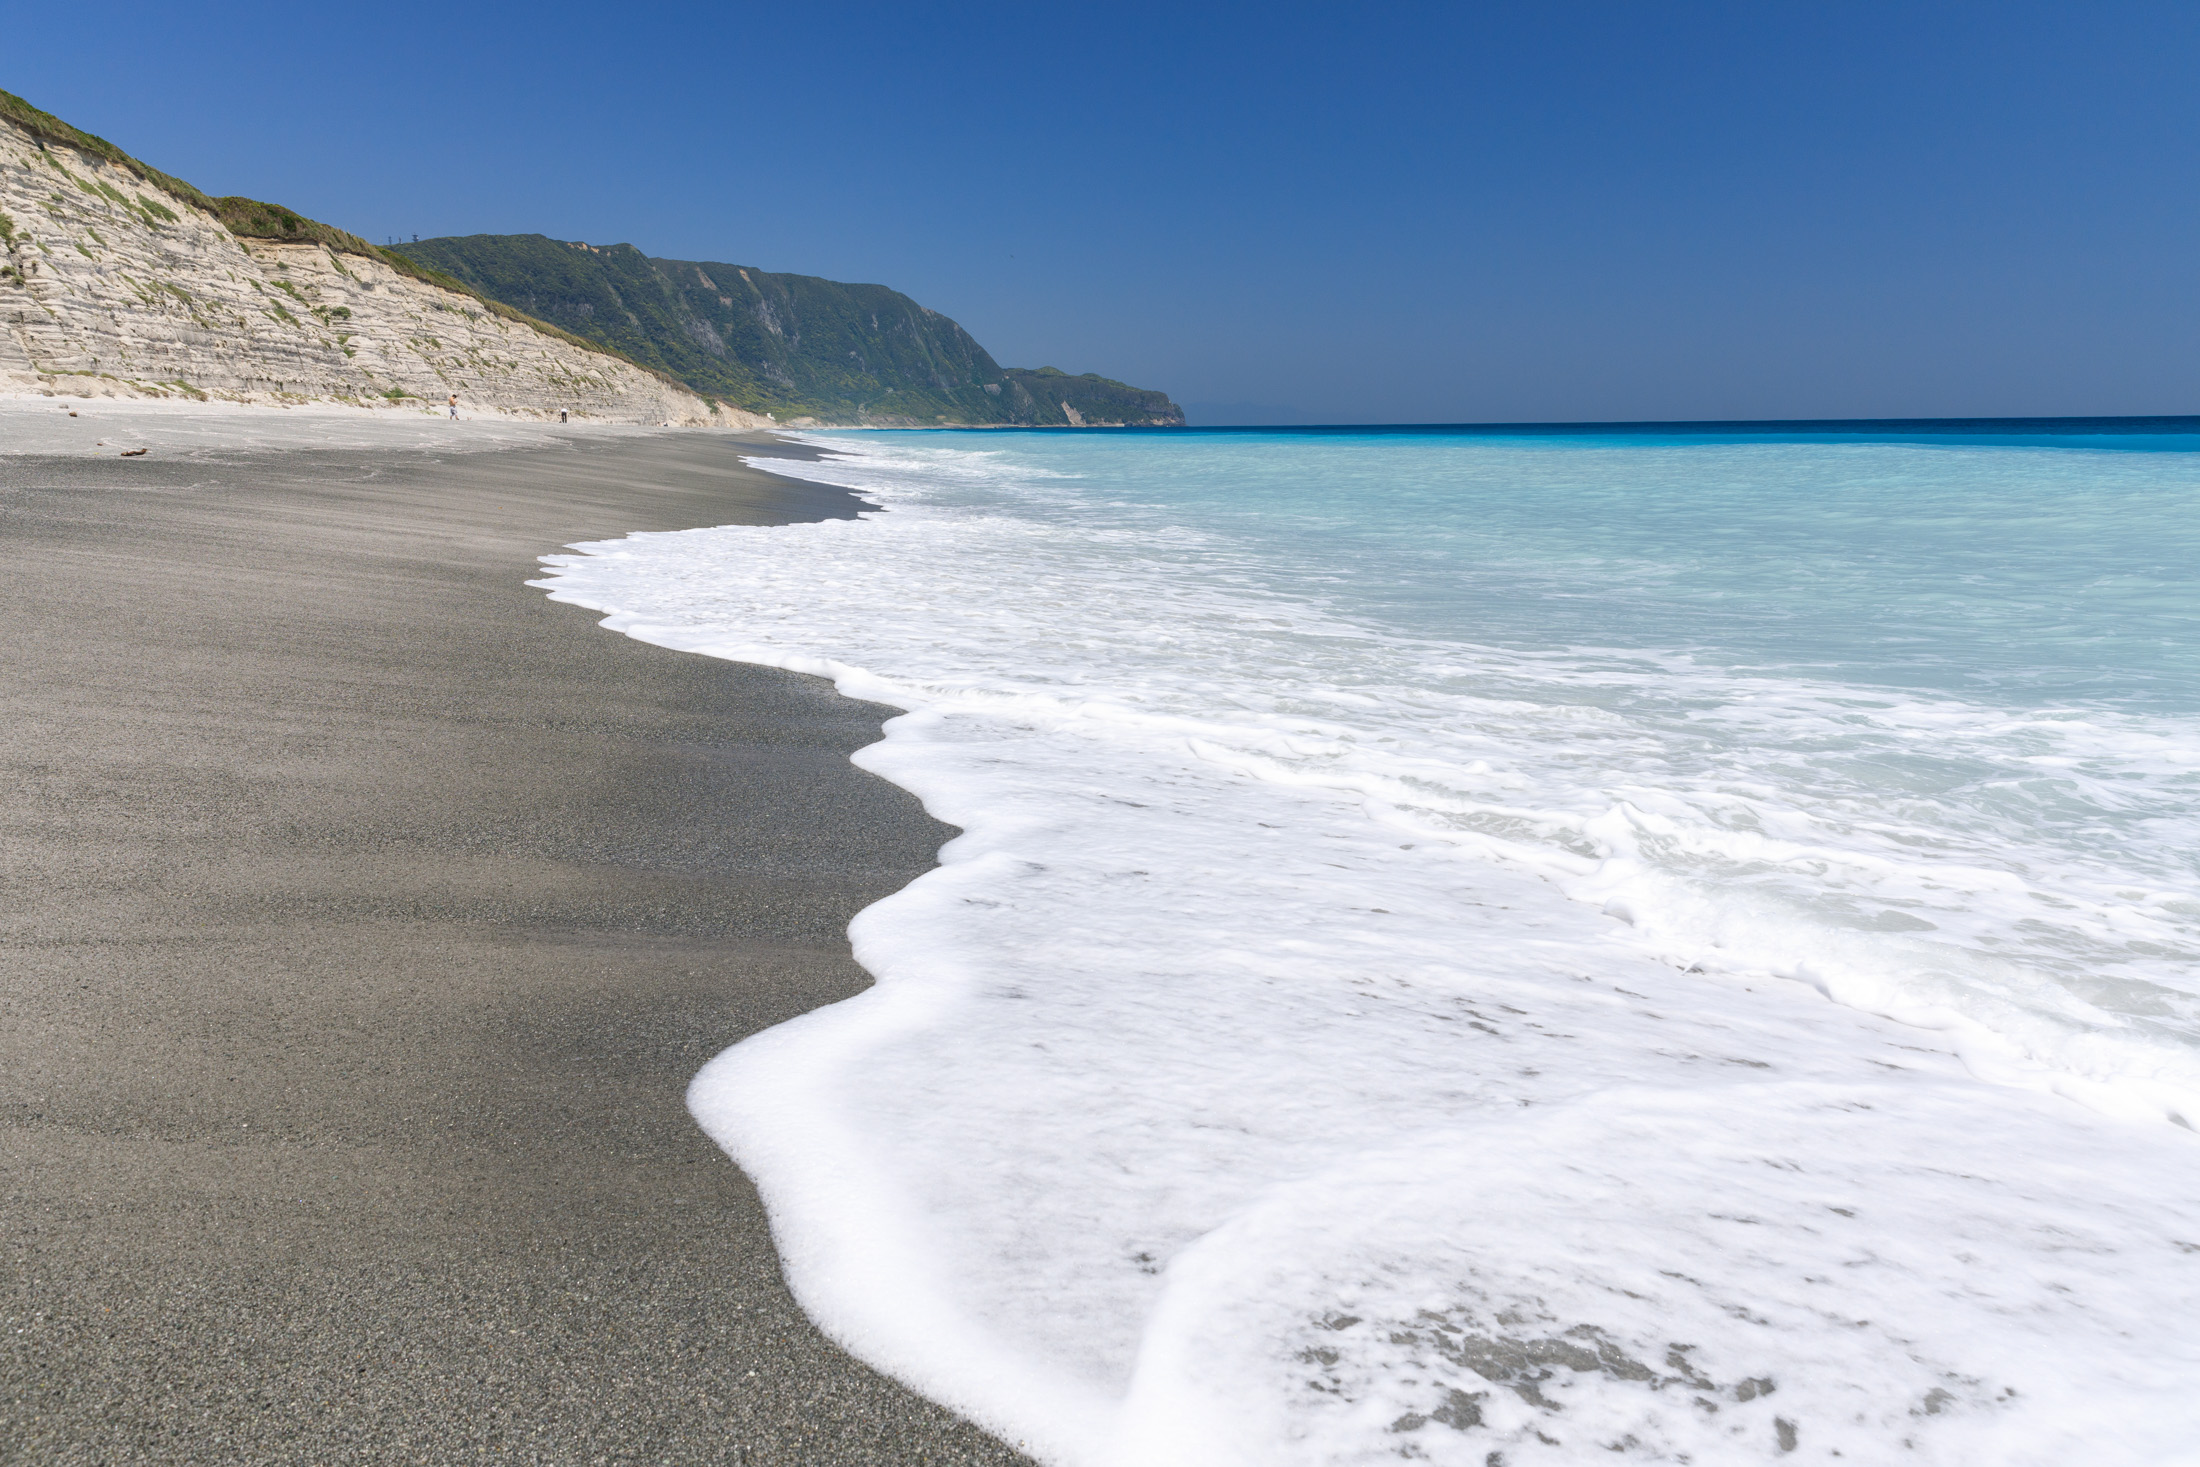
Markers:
120,281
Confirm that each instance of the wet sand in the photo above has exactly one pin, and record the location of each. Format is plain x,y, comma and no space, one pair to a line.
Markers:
366,915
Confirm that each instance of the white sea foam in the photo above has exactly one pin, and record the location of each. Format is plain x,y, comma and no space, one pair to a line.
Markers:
1332,1043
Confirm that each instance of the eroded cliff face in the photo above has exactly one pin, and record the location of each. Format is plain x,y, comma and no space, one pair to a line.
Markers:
113,287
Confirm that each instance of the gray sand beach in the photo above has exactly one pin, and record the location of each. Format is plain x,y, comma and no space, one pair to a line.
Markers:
366,916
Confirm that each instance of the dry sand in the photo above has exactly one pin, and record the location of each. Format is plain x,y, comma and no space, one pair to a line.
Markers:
366,914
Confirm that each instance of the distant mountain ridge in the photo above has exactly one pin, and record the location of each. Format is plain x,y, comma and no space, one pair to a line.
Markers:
803,349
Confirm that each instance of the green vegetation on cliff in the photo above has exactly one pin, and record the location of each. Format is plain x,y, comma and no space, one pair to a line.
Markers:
1094,398
249,218
795,346
252,219
46,126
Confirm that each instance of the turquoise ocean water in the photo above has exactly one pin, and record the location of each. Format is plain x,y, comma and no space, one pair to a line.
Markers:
1502,941
2024,566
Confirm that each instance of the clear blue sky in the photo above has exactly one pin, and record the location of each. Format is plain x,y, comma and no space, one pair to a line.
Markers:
1365,212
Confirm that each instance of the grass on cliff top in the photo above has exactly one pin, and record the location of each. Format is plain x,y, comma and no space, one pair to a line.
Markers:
1080,377
252,219
53,129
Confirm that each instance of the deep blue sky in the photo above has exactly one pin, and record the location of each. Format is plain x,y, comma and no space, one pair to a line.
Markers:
1364,212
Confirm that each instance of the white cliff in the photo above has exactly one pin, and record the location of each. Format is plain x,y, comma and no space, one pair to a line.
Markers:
113,287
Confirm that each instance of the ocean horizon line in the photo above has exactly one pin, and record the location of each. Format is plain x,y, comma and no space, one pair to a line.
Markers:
2164,425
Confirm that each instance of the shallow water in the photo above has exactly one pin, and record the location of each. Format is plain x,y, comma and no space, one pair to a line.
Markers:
1380,1005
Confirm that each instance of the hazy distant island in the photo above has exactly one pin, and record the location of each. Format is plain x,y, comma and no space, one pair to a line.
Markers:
120,280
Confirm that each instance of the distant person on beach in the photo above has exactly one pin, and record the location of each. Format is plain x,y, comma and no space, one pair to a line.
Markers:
454,407
561,415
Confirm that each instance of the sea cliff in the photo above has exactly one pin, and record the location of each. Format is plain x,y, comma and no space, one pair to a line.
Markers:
806,350
120,281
